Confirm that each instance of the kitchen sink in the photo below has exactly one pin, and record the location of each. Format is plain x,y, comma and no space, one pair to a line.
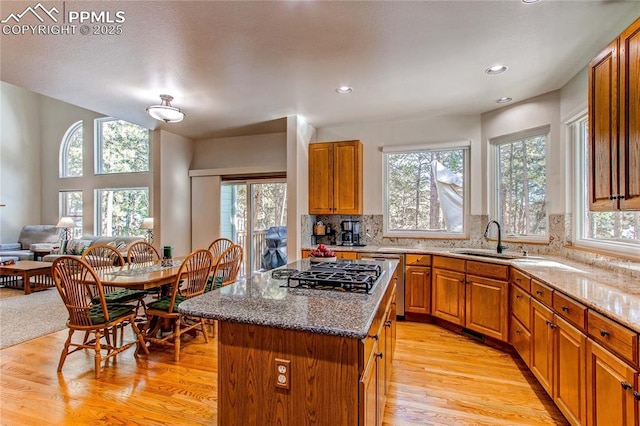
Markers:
491,254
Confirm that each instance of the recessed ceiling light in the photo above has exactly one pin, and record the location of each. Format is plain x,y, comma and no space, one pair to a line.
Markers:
343,90
496,69
530,1
503,100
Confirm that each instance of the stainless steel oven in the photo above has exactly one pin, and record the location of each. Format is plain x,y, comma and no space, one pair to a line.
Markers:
400,273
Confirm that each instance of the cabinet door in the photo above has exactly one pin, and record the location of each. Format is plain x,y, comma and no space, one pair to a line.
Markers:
610,384
306,253
348,255
369,392
520,338
418,289
447,295
521,305
347,172
630,117
321,178
603,129
570,372
542,347
487,307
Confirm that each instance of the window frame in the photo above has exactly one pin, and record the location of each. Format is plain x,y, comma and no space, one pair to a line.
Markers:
465,146
76,231
63,159
97,192
580,199
98,148
493,198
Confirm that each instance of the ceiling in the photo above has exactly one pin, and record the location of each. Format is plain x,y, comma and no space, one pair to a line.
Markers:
236,68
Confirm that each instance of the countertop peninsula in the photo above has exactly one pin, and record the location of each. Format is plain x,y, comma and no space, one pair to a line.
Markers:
264,300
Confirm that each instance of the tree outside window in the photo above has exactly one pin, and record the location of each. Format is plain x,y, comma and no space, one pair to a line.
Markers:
121,147
425,190
71,151
522,185
121,211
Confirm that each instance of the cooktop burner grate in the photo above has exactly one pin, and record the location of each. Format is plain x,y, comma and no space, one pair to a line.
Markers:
349,277
283,274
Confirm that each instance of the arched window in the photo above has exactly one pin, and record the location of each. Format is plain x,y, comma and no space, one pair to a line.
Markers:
71,151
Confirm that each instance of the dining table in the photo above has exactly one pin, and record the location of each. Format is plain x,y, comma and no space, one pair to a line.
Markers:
141,276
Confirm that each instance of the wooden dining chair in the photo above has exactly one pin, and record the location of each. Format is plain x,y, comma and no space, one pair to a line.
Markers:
142,252
227,268
190,282
218,246
101,256
72,277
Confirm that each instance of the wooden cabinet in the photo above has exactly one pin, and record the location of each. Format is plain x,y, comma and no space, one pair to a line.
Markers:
487,306
335,178
611,387
614,124
448,295
542,344
378,351
569,381
520,309
417,289
350,255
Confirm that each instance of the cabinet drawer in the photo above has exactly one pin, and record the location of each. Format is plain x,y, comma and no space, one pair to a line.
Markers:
489,270
615,336
542,292
569,309
521,280
521,305
449,263
349,255
418,259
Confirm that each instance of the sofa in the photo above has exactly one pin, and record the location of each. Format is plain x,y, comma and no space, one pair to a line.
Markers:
77,246
32,237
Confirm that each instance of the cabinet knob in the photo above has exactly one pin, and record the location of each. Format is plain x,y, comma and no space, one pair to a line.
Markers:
550,324
518,331
613,197
539,292
565,308
620,197
604,333
387,323
374,337
518,279
636,395
379,355
625,385
518,296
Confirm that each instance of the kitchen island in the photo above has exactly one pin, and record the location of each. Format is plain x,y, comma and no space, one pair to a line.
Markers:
301,355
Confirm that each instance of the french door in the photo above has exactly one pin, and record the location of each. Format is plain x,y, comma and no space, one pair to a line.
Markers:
254,215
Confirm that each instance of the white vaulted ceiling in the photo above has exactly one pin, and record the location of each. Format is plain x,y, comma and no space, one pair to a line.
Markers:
234,67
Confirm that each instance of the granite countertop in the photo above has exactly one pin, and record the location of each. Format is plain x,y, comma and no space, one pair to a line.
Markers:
614,295
263,300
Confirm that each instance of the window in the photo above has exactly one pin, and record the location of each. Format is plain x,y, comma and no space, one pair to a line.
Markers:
120,211
425,191
71,152
521,184
121,147
71,206
615,231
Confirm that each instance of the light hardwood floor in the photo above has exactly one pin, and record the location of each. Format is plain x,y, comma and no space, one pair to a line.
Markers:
439,378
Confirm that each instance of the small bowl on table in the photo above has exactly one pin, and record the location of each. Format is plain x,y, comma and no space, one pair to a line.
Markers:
322,259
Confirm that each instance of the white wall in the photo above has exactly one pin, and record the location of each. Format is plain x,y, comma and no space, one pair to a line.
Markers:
173,196
244,151
20,171
535,112
407,132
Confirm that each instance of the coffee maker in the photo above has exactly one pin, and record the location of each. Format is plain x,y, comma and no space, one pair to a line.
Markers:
350,235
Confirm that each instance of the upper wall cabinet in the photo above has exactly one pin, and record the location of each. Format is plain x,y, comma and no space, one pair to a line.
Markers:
335,178
614,124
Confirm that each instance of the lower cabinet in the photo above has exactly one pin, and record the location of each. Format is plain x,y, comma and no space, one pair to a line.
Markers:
611,388
542,344
417,281
378,352
520,339
487,307
569,381
448,296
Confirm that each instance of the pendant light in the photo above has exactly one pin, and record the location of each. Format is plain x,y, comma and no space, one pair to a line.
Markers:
165,112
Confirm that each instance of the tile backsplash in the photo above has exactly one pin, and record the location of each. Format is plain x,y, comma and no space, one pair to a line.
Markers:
560,237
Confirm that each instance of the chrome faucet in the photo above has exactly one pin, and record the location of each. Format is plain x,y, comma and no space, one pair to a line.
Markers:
486,235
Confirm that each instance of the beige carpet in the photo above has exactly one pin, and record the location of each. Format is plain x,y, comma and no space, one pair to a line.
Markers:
10,292
25,317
